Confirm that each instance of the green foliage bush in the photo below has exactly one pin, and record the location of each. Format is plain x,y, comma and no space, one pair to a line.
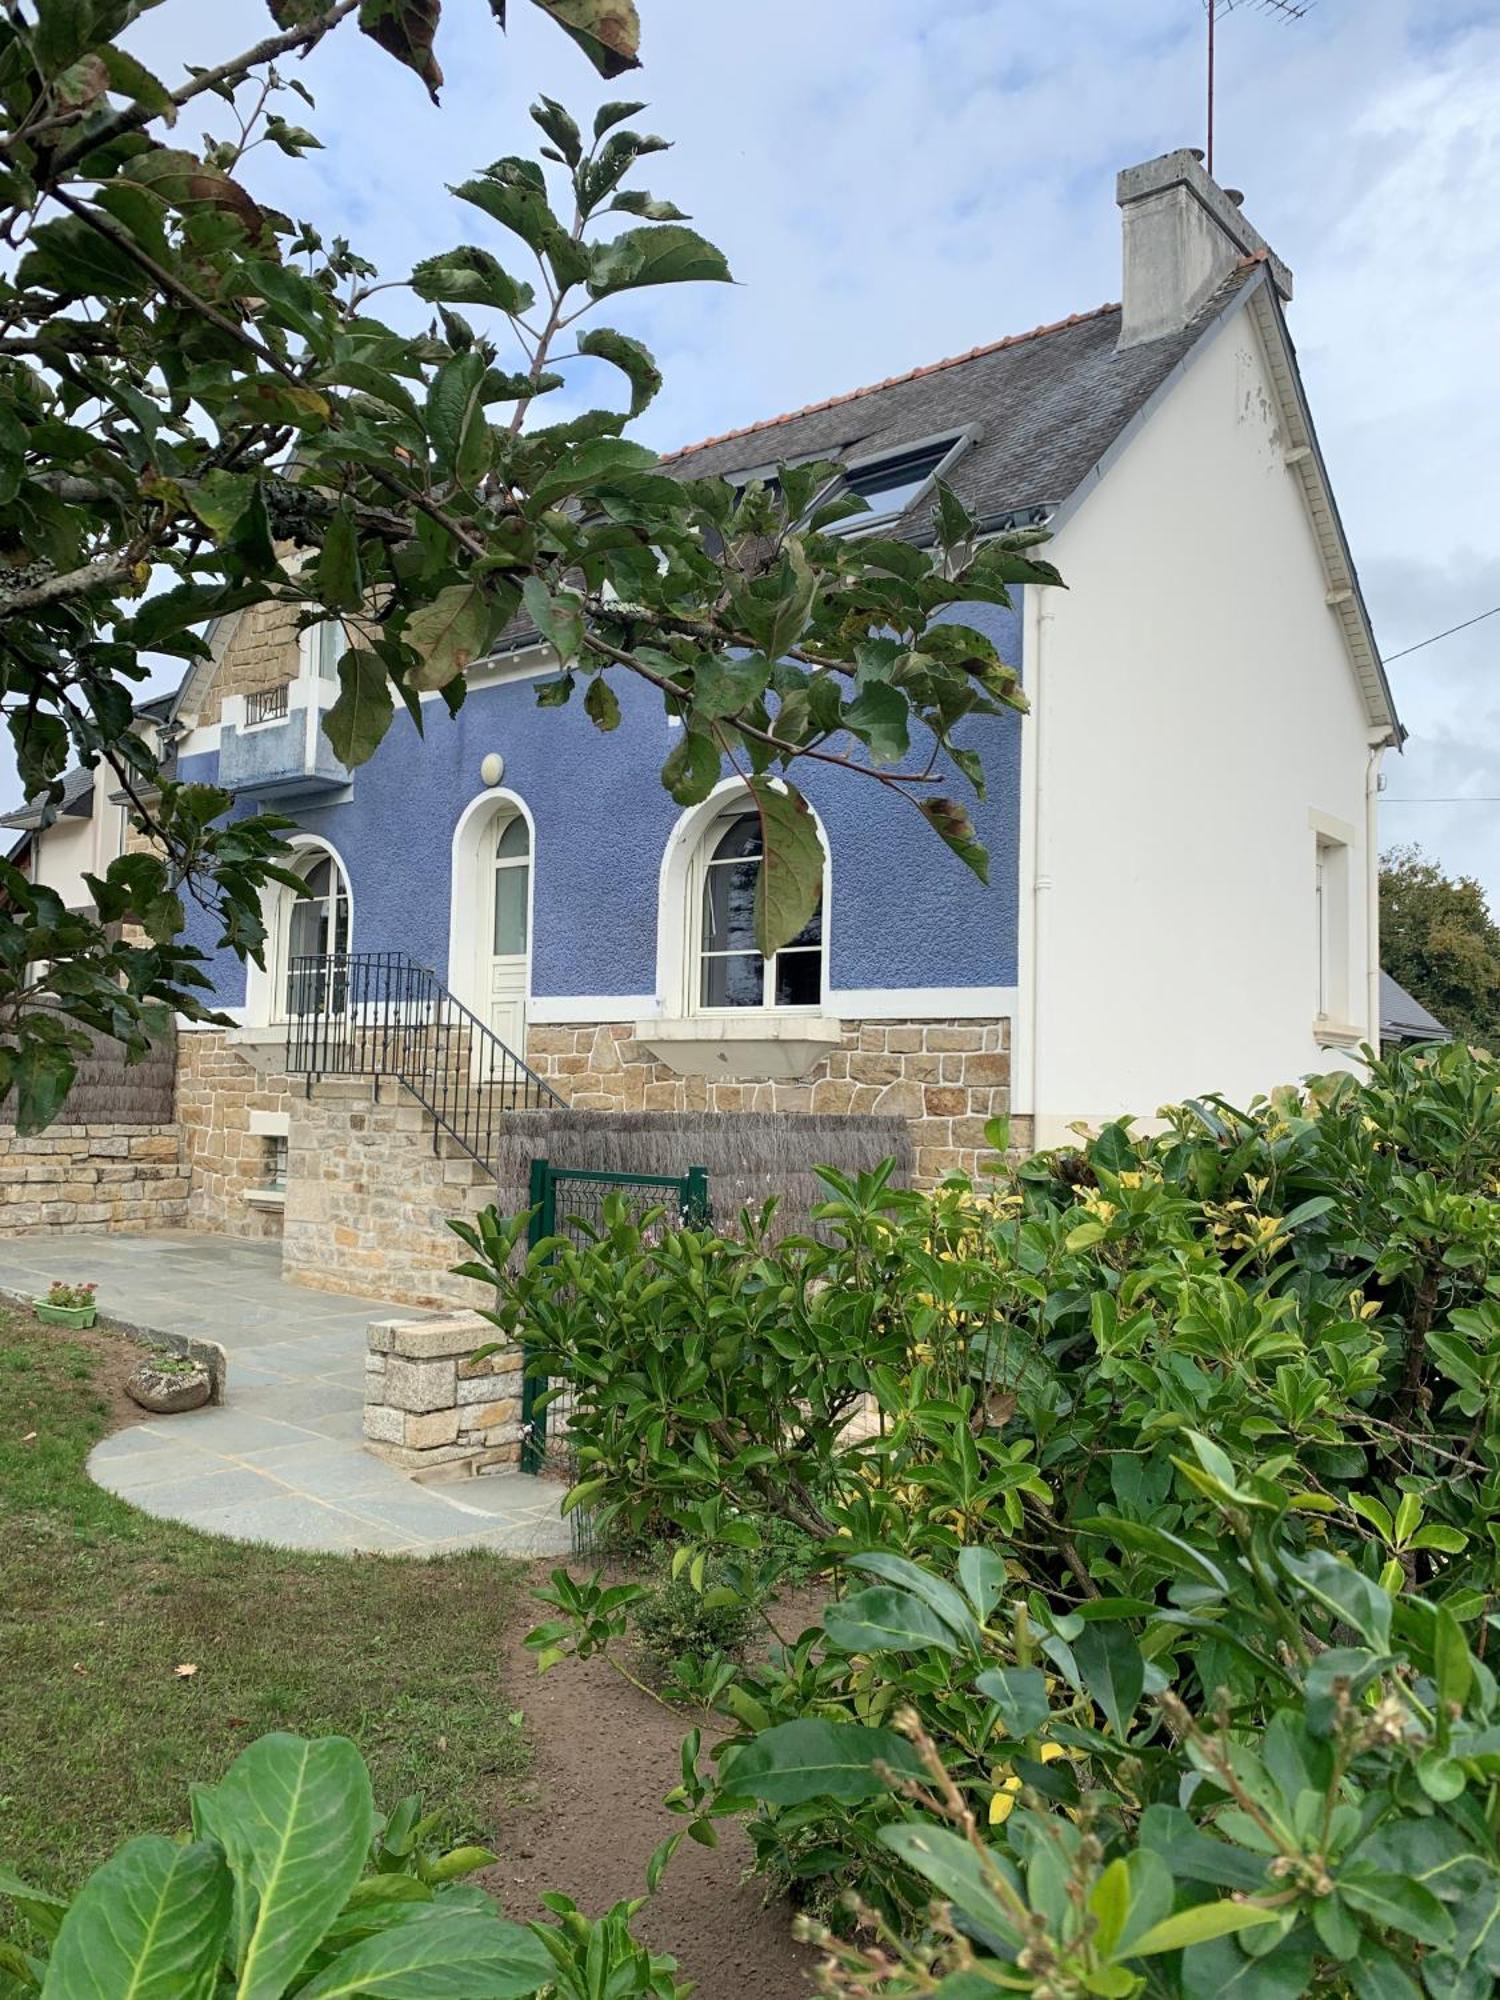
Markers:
292,1885
679,1621
1163,1471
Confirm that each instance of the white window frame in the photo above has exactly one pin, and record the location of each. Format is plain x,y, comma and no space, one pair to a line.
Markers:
873,522
266,992
1333,909
733,806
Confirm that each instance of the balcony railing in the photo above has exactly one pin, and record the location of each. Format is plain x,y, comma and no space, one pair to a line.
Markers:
381,1014
267,705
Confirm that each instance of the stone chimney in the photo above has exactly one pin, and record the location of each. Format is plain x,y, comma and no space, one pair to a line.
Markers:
1184,234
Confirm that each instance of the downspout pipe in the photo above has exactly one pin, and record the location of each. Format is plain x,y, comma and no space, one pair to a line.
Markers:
1380,741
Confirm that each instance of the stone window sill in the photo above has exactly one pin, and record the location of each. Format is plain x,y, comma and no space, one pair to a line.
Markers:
1336,1035
742,1048
266,1197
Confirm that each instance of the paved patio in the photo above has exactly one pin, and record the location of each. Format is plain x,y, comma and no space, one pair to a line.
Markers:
282,1460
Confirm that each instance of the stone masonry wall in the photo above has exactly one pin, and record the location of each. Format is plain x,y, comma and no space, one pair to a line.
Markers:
368,1199
261,654
430,1408
93,1177
946,1078
218,1088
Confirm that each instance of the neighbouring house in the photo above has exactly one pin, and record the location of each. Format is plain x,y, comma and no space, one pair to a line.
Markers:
1403,1018
1182,892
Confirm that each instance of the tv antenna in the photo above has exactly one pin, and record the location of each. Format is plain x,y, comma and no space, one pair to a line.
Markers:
1286,10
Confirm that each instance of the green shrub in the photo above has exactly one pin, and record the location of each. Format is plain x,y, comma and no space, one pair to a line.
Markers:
291,1884
1169,1524
679,1621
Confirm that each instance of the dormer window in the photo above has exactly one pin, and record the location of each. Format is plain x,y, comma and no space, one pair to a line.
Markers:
896,481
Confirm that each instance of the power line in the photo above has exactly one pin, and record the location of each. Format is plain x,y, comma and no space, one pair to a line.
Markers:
1493,610
1466,799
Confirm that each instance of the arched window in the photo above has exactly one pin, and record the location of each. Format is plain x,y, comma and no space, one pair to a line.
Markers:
729,970
312,935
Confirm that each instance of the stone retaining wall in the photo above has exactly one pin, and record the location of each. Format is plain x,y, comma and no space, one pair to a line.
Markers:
368,1198
220,1089
92,1177
945,1078
429,1408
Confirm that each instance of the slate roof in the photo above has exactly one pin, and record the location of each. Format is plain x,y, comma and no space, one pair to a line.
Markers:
1042,409
1405,1019
77,801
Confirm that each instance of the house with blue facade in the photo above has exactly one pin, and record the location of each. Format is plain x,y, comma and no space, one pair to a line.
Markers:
1182,891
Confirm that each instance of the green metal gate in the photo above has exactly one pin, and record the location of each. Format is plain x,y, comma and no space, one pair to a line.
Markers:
569,1201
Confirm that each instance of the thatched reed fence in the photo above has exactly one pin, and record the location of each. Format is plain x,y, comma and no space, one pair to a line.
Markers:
748,1154
107,1091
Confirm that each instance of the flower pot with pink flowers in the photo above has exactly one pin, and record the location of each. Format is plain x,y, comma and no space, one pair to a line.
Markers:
68,1305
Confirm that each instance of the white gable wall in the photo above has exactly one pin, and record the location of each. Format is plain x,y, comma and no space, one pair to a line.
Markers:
1196,722
63,853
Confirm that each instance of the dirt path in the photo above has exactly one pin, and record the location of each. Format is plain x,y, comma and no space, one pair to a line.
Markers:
605,1757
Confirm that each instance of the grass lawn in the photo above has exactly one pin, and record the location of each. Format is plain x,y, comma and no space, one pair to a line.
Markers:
100,1605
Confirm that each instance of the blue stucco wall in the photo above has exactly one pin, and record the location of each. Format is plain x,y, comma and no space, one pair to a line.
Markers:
904,911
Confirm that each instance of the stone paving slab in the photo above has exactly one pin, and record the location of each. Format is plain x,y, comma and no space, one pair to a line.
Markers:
282,1460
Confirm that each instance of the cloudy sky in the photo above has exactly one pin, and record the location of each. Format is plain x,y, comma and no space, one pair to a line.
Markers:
895,181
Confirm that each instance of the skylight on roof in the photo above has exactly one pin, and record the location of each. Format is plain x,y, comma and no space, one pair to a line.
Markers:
894,483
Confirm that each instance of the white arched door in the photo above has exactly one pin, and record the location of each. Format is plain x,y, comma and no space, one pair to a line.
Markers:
506,969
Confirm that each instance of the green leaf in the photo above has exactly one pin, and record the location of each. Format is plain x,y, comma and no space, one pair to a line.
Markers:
691,769
601,704
723,687
937,1595
882,1620
219,499
150,1924
405,29
469,276
813,1759
953,824
558,617
1399,1904
983,1576
1376,1975
880,715
295,1819
560,128
608,31
43,1076
456,421
950,1864
634,361
357,723
1197,1925
1020,1693
1220,1970
1452,1662
1112,1670
789,885
340,580
1353,1598
41,1909
668,254
450,633
613,114
133,80
436,1955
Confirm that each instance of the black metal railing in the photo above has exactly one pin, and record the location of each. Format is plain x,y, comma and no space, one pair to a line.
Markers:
268,704
379,1013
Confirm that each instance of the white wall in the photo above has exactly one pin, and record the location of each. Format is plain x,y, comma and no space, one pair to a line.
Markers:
1195,705
72,847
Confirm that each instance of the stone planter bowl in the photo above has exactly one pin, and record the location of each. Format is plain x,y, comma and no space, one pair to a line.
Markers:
166,1390
76,1316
